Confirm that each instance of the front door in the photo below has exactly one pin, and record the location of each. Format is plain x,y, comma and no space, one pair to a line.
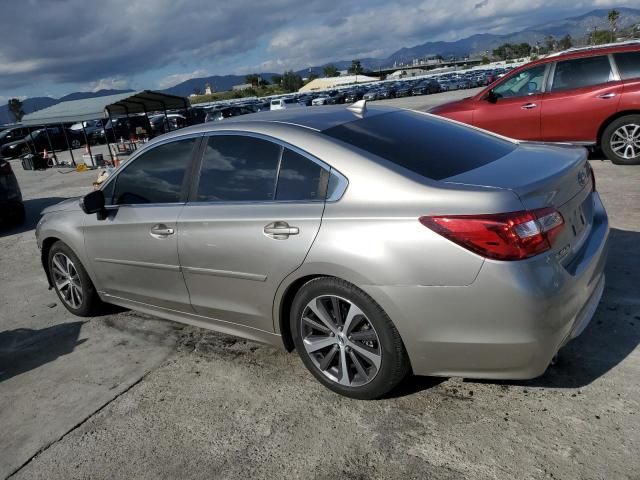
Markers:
514,108
251,222
134,250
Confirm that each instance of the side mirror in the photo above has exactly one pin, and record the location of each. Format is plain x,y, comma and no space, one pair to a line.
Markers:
491,97
93,202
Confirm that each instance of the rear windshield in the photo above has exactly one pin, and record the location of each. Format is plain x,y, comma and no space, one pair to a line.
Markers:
426,145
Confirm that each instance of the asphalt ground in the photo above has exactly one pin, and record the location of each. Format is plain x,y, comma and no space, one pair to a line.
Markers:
129,396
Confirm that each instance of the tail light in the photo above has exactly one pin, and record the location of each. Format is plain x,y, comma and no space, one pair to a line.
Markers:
503,236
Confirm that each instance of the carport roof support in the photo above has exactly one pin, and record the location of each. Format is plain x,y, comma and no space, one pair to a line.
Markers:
93,108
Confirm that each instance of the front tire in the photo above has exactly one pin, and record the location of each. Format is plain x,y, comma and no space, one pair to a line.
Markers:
621,140
71,281
346,340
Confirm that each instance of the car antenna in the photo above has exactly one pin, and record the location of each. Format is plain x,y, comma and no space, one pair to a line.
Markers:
359,107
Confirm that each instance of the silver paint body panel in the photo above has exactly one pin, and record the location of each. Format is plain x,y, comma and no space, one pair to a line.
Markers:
457,313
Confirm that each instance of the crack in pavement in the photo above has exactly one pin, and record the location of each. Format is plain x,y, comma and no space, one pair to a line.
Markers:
79,424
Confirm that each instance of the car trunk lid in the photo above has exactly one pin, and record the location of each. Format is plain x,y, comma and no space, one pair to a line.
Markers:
544,176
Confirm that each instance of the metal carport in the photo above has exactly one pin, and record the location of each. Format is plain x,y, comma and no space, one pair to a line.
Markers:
121,104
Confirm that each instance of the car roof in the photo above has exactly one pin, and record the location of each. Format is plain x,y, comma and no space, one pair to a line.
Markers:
578,52
315,118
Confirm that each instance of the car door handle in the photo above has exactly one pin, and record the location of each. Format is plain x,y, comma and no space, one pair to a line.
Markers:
605,96
528,106
161,231
280,230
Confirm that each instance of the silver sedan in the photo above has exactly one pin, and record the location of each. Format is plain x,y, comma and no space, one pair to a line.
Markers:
375,241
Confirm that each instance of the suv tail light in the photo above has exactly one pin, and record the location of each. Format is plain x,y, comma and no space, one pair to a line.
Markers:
502,236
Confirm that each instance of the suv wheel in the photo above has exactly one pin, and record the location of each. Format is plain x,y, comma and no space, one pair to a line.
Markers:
71,281
346,340
621,140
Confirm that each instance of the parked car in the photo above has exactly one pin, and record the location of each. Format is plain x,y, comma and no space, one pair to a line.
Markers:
375,240
11,207
173,121
38,141
90,127
13,134
321,100
586,96
283,103
122,127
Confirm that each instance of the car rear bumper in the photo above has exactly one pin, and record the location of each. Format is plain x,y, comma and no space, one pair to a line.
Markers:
510,322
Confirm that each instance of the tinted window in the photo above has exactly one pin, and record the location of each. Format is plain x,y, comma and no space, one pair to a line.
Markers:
524,83
155,176
427,145
582,72
628,64
300,179
238,168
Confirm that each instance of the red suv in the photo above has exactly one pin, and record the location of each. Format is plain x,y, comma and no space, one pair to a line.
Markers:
585,96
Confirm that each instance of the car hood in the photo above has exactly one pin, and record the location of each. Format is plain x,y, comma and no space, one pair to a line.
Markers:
15,142
67,205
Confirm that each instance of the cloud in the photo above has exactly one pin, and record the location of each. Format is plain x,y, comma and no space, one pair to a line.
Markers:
176,78
100,44
111,83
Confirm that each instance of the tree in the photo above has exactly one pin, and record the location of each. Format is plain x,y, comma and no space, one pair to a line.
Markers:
549,44
276,79
356,68
485,60
253,79
15,107
565,42
598,37
613,17
330,71
291,81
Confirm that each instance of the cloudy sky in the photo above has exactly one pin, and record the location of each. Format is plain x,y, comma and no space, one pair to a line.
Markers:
54,47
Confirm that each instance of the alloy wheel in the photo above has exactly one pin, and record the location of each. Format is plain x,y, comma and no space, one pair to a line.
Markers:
625,141
75,143
66,280
341,341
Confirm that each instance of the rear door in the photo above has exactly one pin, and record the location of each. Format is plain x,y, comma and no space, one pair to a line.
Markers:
582,94
134,250
249,223
515,112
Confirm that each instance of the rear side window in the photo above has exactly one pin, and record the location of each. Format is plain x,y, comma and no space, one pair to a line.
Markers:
300,179
582,72
155,176
429,146
238,168
628,64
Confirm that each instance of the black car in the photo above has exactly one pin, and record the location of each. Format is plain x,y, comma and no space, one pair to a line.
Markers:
426,87
38,141
12,134
403,91
123,127
11,206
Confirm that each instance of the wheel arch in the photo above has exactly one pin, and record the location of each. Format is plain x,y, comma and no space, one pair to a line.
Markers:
47,243
613,118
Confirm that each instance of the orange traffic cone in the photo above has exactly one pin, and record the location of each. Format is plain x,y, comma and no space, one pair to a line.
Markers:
86,149
45,155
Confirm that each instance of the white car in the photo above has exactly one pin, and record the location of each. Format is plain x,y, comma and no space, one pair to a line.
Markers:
320,101
283,103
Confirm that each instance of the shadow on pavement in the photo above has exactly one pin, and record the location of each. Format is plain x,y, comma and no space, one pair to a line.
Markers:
24,349
614,331
33,208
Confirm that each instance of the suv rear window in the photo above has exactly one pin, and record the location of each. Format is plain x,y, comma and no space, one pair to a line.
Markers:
429,146
628,64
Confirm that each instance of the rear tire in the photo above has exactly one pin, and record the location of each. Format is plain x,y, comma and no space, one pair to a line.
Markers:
71,282
621,140
363,355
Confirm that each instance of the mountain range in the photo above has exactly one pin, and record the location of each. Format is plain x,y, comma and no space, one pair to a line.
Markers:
474,45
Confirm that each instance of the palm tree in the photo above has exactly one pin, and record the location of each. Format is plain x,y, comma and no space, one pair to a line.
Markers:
613,17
